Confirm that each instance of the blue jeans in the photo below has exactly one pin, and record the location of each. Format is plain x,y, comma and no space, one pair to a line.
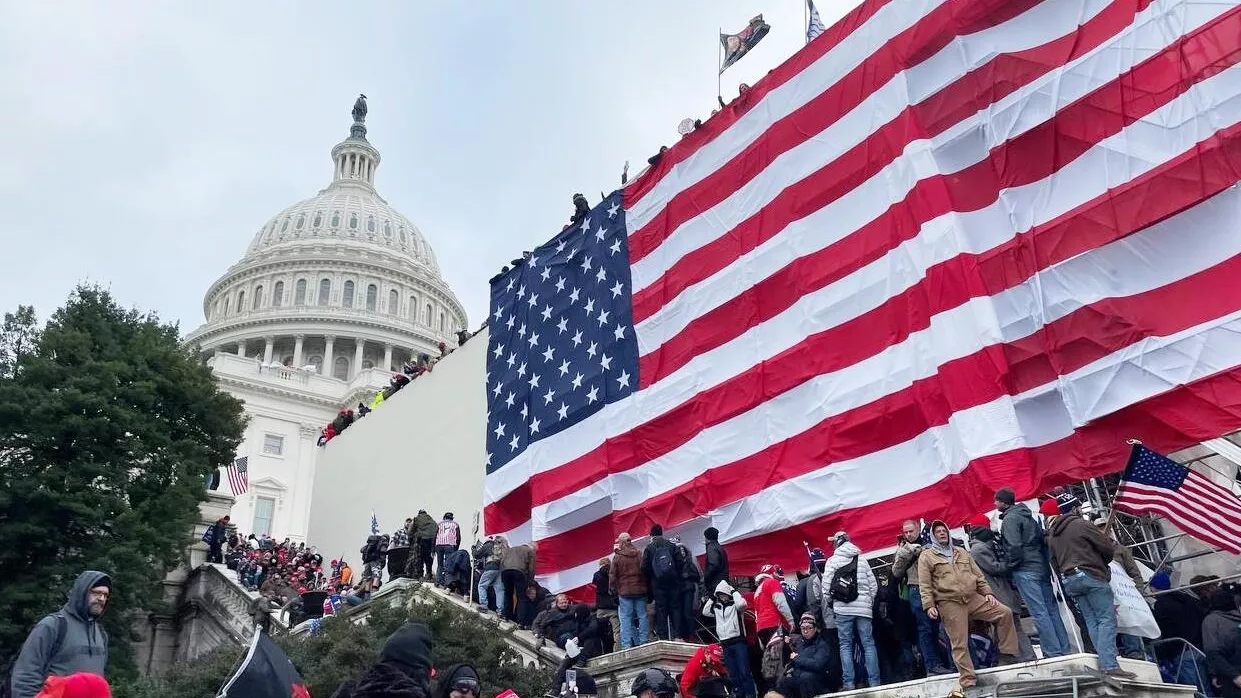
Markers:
928,634
1040,598
737,660
631,610
1130,644
491,579
847,626
1094,599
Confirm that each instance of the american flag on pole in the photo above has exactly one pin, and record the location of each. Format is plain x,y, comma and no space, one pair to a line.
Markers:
374,524
239,475
948,246
815,26
1155,484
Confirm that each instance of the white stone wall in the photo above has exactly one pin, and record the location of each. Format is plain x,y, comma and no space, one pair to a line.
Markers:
424,448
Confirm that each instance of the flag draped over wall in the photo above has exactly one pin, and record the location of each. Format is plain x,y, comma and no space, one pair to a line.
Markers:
944,248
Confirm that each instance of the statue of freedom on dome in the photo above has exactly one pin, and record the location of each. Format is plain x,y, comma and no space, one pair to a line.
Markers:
359,109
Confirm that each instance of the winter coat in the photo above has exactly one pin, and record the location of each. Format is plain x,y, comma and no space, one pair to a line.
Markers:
1076,543
648,560
555,622
455,672
716,568
458,564
448,533
705,663
949,579
521,558
905,562
809,667
996,573
425,527
605,600
861,607
85,645
625,573
1180,614
1023,540
382,680
728,624
400,538
771,607
1221,641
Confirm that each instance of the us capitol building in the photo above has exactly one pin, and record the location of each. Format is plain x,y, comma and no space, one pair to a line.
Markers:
334,293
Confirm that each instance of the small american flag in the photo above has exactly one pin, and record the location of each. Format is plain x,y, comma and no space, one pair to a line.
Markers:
374,524
239,476
815,27
1156,484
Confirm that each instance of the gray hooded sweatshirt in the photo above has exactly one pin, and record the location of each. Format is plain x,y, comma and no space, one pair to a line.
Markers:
85,647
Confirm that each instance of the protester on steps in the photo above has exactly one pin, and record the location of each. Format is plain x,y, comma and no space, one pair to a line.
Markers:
403,669
1026,554
853,607
606,604
458,681
983,549
67,642
727,607
664,570
447,540
425,529
905,563
716,568
516,572
1221,641
807,676
625,579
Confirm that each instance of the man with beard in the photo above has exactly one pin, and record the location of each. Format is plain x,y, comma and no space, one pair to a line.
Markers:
68,641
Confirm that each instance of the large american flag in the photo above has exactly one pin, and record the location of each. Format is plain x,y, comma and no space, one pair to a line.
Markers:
1155,484
948,246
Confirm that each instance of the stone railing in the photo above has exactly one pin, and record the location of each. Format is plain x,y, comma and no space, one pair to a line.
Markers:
214,588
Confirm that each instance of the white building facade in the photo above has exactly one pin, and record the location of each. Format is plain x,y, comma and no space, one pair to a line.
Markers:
332,296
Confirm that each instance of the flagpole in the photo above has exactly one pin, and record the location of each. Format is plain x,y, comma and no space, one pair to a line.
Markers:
805,18
245,662
719,73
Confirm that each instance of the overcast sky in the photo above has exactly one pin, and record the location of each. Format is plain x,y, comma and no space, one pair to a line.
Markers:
145,143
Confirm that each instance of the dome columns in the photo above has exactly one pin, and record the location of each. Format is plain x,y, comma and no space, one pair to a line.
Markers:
267,350
387,365
329,360
298,340
241,348
359,346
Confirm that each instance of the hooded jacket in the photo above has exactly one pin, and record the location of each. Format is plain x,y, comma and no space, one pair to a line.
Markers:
1076,543
727,617
1221,641
863,606
995,572
605,600
625,573
716,568
1022,538
955,579
771,606
403,670
425,526
444,682
519,557
85,646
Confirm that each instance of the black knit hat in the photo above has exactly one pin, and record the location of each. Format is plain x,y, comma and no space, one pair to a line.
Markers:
712,533
586,684
409,649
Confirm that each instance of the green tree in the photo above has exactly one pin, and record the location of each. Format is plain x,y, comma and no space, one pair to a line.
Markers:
342,650
17,338
108,429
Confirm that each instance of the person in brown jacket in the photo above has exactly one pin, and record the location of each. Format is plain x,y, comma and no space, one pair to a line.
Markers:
629,584
954,592
516,571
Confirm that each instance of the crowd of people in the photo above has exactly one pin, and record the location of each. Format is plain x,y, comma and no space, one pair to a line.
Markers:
409,372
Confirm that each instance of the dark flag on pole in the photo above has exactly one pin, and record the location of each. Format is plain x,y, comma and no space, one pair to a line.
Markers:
739,44
266,672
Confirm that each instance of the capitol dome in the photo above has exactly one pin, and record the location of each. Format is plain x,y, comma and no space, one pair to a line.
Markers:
336,284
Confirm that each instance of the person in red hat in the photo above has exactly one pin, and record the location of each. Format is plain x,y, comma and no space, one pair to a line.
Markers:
81,685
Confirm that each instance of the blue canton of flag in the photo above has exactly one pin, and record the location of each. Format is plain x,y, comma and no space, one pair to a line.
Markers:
562,340
1149,468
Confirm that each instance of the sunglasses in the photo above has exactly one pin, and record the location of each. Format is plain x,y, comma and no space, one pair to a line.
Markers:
464,685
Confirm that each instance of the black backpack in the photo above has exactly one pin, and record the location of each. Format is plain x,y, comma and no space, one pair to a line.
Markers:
6,675
664,564
844,583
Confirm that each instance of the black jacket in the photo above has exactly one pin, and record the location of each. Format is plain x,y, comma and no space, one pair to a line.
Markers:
604,601
382,680
648,555
1180,614
1023,540
809,667
716,569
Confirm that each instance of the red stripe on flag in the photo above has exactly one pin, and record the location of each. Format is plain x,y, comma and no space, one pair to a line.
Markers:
974,91
1021,161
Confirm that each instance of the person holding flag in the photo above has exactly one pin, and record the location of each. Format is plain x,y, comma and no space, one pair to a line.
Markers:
266,672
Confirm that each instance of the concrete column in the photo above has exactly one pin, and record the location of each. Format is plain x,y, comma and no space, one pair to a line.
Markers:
359,345
328,345
297,350
241,348
267,350
387,365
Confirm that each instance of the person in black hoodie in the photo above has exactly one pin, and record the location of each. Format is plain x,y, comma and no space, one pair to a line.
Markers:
664,570
403,669
1221,641
458,681
716,568
606,604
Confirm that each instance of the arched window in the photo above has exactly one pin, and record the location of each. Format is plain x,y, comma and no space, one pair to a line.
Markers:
340,368
301,221
335,219
317,362
441,322
277,294
285,226
387,229
426,316
325,291
299,292
353,221
401,234
318,222
370,224
394,302
241,300
258,298
413,308
346,298
372,293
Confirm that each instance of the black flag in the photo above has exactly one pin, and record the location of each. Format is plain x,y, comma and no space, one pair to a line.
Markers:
266,672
